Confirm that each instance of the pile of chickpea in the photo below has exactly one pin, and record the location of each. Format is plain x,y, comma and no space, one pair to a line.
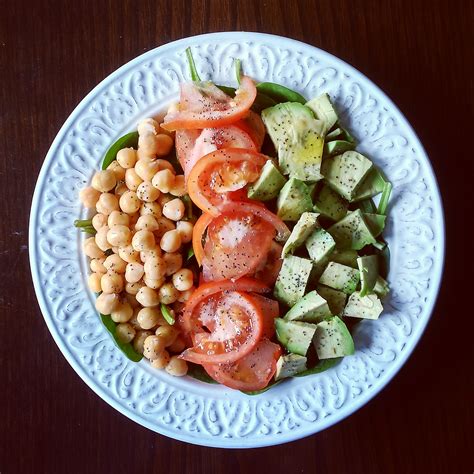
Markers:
140,219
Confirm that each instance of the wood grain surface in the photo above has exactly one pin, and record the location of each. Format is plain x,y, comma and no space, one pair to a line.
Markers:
53,52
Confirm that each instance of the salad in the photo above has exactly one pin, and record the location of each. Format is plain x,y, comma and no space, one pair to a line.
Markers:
237,241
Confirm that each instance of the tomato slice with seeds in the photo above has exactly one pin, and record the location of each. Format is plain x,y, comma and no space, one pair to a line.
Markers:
252,372
236,244
270,310
231,324
268,270
203,105
222,172
198,235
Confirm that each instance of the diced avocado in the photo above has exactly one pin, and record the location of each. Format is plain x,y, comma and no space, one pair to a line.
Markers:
330,204
369,271
345,257
268,184
320,244
339,134
340,277
317,271
333,339
336,147
324,110
312,308
381,288
289,365
345,173
303,228
366,205
372,185
295,335
292,279
293,200
375,222
352,232
312,187
363,307
336,299
296,135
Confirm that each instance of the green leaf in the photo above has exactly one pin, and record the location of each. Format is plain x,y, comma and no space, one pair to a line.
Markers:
238,71
192,67
197,372
321,366
367,205
190,254
268,387
88,230
188,204
127,141
230,91
83,223
280,93
383,204
167,314
126,348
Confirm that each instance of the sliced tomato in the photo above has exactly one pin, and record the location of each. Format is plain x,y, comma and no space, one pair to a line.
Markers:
250,373
270,311
198,234
211,139
254,126
189,322
185,141
236,244
231,325
203,105
268,270
220,172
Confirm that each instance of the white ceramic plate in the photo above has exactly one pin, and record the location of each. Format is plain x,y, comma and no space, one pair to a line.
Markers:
184,408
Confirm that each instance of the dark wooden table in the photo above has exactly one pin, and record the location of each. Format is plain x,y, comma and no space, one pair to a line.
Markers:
52,53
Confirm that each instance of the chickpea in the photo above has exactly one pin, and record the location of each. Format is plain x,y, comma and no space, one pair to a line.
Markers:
185,229
107,203
115,249
147,193
147,297
174,261
129,254
149,318
148,143
150,209
117,169
153,347
89,197
139,340
147,126
104,181
112,282
118,218
168,334
114,263
132,180
129,202
133,320
155,267
101,238
123,313
161,361
171,241
125,332
185,295
165,165
164,225
146,222
177,367
144,155
133,288
164,144
94,282
183,279
107,302
119,236
143,240
178,345
144,254
120,189
146,169
163,180
132,301
179,187
174,209
97,265
168,293
91,249
154,283
133,219
134,272
127,157
98,221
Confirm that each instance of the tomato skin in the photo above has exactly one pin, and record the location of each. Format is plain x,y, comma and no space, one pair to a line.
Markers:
254,126
269,269
185,141
217,113
270,311
198,233
236,324
252,372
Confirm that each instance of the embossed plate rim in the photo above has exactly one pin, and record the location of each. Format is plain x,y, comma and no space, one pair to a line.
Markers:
218,441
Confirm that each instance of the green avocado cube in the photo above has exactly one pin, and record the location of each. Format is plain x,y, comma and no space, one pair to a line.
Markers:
291,282
340,277
302,229
293,200
295,335
268,185
363,307
332,339
311,308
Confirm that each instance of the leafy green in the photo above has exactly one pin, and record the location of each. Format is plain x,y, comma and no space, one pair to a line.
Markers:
197,372
192,67
83,223
321,366
383,204
128,140
268,387
190,254
367,205
126,348
167,314
280,93
238,67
